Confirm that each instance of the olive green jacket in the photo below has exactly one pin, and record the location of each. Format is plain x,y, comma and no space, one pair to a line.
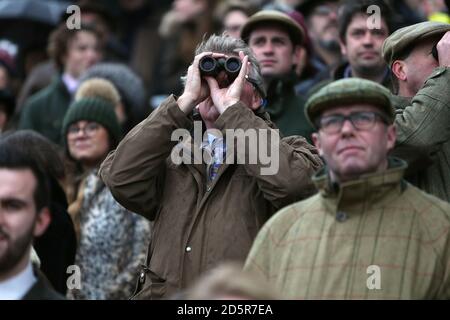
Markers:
378,237
45,110
423,132
286,109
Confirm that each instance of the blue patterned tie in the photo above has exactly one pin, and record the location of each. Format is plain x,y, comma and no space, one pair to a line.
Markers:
217,158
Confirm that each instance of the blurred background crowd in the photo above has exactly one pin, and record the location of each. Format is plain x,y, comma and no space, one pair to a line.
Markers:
145,46
108,75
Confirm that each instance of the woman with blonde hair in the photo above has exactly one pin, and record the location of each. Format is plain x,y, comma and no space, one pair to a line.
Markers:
112,241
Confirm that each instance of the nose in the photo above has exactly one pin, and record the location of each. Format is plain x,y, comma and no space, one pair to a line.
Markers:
367,40
268,48
93,55
347,127
332,15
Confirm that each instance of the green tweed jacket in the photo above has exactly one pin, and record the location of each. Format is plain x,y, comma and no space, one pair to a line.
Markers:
423,128
378,237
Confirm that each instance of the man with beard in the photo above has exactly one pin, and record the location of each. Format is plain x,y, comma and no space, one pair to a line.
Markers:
24,214
321,20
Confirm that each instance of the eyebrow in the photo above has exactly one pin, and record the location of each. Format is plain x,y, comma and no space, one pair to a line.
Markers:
11,200
270,38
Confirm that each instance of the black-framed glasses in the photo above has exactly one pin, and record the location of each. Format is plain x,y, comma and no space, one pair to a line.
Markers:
89,129
364,120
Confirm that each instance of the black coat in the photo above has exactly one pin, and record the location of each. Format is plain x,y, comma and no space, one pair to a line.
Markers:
42,290
57,247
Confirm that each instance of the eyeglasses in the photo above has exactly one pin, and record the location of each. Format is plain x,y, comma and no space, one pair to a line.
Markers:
89,129
360,120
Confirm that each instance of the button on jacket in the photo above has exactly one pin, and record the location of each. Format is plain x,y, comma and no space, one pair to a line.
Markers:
394,242
197,223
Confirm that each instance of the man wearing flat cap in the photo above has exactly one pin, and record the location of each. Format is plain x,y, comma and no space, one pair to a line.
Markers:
367,234
419,58
321,18
276,40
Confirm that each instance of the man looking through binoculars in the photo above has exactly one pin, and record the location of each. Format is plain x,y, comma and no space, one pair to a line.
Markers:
205,213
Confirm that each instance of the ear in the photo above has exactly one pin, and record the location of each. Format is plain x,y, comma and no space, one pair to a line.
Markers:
399,68
256,101
391,137
296,54
343,47
316,140
42,221
301,61
3,120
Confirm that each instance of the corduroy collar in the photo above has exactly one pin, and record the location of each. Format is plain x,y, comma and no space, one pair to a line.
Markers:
363,188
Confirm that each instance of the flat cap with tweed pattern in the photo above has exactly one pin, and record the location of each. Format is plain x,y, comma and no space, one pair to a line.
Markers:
346,92
403,38
265,17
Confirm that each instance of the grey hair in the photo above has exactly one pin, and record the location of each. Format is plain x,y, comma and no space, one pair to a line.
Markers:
231,46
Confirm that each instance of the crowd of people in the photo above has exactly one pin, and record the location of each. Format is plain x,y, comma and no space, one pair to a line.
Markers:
229,149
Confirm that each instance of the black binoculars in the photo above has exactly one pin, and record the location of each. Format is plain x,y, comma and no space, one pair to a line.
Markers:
210,66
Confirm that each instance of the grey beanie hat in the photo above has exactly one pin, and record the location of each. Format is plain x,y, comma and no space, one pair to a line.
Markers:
127,82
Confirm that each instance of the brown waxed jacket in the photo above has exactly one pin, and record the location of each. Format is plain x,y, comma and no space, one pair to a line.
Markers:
198,224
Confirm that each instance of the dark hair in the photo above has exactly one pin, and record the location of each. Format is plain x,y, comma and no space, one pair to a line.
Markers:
7,102
13,158
350,8
42,150
59,39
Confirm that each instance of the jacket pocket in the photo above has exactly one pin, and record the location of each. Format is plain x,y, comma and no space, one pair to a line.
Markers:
149,286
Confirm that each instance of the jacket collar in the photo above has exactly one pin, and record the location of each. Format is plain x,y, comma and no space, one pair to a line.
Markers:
278,90
344,71
368,186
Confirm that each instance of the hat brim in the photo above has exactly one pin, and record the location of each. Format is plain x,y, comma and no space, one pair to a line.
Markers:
297,34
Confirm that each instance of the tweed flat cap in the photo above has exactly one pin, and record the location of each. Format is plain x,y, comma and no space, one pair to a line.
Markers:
349,91
403,38
264,17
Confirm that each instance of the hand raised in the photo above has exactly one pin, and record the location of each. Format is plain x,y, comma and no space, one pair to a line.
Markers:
226,97
443,47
